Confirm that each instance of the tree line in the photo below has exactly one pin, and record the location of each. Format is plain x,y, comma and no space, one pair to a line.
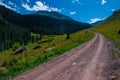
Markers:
12,34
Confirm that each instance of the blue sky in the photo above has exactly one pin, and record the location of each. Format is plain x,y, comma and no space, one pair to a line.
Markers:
88,11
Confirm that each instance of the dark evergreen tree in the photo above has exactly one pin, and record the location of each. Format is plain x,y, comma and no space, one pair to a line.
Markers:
10,34
32,39
37,38
40,37
118,31
68,36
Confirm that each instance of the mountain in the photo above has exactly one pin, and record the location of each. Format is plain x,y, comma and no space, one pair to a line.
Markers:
43,22
114,17
49,25
15,27
52,14
9,15
97,23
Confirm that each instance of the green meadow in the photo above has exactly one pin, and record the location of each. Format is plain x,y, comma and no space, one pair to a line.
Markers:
12,65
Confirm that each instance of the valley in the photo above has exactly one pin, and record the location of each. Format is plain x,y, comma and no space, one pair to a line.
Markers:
47,45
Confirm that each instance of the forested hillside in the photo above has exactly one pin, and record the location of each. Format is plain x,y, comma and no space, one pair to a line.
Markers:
17,28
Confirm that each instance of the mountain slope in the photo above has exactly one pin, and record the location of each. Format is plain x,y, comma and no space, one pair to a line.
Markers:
43,22
9,15
52,14
114,17
110,28
97,23
50,25
15,27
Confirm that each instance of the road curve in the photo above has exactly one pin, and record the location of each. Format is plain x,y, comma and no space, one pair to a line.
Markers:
89,61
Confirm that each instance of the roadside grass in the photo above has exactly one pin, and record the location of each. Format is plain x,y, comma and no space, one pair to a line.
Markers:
16,64
111,32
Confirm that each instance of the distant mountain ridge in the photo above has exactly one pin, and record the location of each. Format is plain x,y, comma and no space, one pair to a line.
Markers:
43,22
97,23
52,14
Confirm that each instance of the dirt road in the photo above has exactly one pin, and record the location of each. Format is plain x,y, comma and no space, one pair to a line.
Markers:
89,61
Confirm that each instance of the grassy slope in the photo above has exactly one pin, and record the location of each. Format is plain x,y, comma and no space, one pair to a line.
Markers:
110,31
17,64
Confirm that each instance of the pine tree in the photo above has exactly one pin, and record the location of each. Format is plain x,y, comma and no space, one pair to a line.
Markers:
32,39
68,36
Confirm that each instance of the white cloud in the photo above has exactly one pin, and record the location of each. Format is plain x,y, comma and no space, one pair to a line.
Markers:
1,3
73,12
103,2
113,10
54,9
93,20
28,1
40,6
27,7
76,1
10,3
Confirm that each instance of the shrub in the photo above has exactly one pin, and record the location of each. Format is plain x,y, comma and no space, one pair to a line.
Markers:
16,46
68,36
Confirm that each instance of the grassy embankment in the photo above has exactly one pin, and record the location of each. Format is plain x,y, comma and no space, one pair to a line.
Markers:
110,31
12,65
